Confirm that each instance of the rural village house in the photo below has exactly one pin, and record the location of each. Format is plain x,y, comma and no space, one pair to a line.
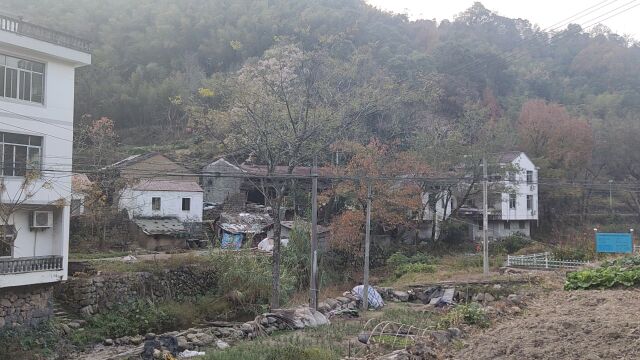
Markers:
37,68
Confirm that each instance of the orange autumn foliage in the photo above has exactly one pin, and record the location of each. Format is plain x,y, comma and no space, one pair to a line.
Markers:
393,201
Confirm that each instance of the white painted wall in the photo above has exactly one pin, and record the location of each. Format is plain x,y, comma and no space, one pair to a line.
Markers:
138,204
52,120
522,189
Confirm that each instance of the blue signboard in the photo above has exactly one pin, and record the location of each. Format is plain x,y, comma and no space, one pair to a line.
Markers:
614,243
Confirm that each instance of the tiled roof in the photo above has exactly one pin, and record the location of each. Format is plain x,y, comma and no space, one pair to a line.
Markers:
160,226
284,170
167,185
507,157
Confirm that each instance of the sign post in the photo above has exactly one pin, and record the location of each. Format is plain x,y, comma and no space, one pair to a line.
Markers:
614,243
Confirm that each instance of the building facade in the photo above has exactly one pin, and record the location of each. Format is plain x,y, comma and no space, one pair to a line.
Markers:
163,198
37,74
513,200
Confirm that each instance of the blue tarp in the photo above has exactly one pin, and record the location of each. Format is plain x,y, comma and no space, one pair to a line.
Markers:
231,241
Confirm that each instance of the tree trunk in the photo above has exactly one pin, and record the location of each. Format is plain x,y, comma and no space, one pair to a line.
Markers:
275,270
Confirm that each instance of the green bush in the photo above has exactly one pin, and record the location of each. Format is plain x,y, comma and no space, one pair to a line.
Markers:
131,319
414,268
510,244
296,256
603,277
470,314
246,278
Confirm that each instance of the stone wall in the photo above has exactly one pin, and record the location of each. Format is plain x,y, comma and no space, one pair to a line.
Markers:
25,305
90,295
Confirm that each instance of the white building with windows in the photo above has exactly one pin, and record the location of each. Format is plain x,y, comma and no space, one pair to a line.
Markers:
163,198
513,207
37,73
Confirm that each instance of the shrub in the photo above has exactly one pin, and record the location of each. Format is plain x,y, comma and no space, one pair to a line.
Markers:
138,317
246,278
510,244
414,268
574,253
471,314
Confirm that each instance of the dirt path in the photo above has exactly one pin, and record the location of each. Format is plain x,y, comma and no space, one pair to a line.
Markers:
596,324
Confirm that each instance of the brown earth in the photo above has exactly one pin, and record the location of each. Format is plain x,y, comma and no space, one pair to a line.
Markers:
594,324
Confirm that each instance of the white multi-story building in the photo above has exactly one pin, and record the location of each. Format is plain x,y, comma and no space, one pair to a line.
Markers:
513,202
37,71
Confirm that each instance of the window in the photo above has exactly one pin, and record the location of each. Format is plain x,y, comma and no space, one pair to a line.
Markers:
529,202
21,79
155,204
512,201
507,225
480,226
7,235
512,177
523,225
186,204
19,153
529,177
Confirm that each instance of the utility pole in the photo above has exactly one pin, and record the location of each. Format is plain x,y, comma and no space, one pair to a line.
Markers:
485,219
314,236
367,242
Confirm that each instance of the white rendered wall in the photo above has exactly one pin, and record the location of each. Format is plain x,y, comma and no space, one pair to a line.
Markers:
138,204
522,189
52,120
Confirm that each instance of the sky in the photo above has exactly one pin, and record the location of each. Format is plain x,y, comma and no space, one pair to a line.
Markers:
545,13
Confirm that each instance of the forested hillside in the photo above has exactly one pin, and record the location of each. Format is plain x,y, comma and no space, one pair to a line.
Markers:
570,98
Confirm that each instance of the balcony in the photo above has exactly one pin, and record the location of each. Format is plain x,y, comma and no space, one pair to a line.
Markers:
30,264
21,27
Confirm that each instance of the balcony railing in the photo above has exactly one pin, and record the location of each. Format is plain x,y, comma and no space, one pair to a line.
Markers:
30,264
21,27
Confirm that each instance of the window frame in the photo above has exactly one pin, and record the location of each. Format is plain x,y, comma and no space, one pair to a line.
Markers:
156,203
529,175
20,75
529,202
522,225
16,169
507,225
188,203
513,201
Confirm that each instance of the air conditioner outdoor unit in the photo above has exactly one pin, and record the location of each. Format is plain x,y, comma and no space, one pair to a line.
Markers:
42,219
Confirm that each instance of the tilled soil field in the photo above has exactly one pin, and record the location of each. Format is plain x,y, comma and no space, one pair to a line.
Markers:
592,324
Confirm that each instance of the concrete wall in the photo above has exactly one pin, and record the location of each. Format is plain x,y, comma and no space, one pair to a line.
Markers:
138,203
218,189
25,305
497,229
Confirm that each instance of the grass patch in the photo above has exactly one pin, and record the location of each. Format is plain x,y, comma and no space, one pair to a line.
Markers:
41,342
470,314
414,268
261,351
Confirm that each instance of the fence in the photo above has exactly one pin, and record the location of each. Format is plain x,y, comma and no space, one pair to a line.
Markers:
542,261
23,265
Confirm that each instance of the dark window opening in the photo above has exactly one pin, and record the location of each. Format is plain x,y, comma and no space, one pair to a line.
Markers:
186,204
155,204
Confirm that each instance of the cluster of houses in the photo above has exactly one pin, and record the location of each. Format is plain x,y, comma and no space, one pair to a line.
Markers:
165,203
171,207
